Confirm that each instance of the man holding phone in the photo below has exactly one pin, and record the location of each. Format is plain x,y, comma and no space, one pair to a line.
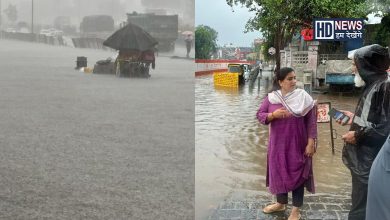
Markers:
339,116
370,124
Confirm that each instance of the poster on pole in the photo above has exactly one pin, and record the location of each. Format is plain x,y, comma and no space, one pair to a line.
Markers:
322,112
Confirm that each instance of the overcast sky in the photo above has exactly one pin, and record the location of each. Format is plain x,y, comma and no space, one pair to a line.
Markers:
45,11
229,25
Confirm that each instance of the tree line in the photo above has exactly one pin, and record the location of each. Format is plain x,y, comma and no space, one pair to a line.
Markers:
278,26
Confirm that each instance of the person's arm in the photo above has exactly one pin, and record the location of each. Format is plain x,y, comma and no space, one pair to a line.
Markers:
311,123
266,117
263,115
310,149
381,105
311,127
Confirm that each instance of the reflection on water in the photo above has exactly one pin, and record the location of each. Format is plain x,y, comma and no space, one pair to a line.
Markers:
230,145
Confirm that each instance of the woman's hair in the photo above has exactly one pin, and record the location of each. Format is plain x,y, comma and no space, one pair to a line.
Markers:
280,75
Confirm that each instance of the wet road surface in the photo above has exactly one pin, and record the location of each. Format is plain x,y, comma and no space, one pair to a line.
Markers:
93,146
230,146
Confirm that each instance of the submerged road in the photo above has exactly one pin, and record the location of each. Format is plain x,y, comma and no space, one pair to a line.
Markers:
93,146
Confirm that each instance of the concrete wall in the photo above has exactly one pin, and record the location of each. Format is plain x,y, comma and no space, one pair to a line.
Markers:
303,62
39,38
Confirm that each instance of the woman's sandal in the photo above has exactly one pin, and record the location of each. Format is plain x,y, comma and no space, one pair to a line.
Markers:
273,208
299,217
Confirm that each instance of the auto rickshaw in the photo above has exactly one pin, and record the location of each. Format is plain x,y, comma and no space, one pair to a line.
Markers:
237,68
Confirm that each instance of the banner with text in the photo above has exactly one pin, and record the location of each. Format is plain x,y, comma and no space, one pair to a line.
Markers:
338,29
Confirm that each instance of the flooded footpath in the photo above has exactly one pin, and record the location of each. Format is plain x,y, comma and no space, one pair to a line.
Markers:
231,149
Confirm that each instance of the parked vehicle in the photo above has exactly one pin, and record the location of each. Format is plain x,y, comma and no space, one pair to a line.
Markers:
338,74
237,68
51,32
164,28
10,30
94,29
97,24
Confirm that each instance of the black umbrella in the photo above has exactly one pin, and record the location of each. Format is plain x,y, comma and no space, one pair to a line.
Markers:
130,37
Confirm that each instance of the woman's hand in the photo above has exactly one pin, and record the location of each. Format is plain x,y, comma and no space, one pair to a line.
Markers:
310,148
281,113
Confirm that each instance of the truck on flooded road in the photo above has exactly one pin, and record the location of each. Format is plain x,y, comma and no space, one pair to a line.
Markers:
164,28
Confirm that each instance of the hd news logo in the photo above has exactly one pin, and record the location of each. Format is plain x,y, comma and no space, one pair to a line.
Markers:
338,29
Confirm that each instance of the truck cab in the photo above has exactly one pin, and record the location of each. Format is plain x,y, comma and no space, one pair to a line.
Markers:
164,28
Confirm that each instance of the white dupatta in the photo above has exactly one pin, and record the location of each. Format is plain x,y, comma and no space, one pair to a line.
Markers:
298,102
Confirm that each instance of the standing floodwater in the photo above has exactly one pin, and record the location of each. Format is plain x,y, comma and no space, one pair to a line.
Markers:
231,145
77,145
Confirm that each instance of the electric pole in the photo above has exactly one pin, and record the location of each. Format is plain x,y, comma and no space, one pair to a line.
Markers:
1,21
32,16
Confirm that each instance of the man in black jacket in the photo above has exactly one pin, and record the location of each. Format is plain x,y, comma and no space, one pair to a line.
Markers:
370,124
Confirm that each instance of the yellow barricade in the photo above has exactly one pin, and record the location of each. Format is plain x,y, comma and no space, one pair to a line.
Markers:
226,79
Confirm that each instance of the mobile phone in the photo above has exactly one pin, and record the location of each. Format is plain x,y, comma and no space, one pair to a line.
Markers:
334,113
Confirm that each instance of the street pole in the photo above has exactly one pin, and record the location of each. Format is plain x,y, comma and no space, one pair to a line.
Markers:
32,16
1,22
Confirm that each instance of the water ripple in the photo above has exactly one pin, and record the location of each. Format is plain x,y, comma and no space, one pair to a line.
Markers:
231,146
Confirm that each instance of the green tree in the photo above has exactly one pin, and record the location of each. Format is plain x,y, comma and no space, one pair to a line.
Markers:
11,12
382,6
383,34
280,25
266,45
205,42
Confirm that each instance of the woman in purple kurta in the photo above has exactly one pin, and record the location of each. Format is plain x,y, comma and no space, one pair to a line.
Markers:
291,114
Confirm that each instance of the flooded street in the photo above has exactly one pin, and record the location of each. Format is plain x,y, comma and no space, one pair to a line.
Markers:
77,145
231,145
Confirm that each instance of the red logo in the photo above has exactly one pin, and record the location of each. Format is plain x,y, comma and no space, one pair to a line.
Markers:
307,34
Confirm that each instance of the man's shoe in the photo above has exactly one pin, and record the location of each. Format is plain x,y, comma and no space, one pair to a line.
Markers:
274,208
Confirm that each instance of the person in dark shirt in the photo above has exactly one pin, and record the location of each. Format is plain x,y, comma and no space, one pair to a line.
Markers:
370,124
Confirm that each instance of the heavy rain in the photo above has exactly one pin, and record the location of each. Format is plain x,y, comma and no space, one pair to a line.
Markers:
86,133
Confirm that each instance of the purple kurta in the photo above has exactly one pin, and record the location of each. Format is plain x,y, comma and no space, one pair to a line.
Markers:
287,166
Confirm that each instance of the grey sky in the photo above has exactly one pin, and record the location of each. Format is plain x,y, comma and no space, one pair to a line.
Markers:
229,25
45,11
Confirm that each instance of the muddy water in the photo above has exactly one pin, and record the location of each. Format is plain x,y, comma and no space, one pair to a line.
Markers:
231,146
